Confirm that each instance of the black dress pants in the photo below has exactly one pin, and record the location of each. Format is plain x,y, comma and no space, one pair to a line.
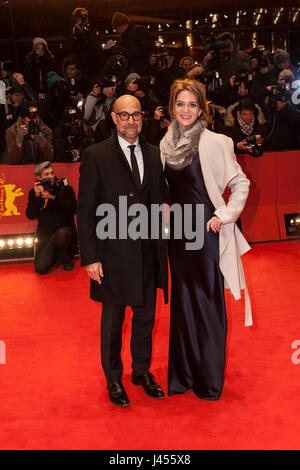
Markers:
59,245
141,333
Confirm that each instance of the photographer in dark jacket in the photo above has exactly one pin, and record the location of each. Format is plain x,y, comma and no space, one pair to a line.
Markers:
282,115
37,64
136,42
166,75
53,203
29,140
243,120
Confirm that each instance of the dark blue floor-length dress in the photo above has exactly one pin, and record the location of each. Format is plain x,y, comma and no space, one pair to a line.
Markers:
198,322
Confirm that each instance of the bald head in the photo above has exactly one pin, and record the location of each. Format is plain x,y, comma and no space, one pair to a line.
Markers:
121,103
127,106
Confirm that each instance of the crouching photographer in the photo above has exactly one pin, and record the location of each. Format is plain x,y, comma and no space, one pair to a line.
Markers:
246,124
72,136
29,140
53,203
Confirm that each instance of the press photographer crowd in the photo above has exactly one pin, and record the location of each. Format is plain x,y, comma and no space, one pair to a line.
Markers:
52,112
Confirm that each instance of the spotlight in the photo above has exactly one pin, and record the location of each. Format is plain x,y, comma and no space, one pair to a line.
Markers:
19,242
28,241
2,243
10,243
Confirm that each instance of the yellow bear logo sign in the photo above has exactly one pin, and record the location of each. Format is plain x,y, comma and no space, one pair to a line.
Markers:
8,194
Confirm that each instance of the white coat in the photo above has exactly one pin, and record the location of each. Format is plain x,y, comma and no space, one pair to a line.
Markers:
220,169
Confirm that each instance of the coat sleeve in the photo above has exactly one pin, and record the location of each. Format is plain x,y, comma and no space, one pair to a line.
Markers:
238,184
88,201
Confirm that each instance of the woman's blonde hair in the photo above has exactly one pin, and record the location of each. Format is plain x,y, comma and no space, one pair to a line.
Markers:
194,87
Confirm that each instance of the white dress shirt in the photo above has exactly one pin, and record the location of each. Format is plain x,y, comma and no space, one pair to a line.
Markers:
138,153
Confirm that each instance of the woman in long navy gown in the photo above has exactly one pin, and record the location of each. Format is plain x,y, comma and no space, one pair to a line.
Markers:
198,323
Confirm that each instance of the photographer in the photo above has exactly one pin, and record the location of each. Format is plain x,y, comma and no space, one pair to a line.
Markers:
136,42
84,43
264,73
222,61
282,61
165,73
282,116
29,140
140,87
72,136
154,129
53,203
37,64
243,121
95,106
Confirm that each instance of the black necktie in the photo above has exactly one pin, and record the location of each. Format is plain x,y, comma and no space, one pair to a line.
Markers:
134,166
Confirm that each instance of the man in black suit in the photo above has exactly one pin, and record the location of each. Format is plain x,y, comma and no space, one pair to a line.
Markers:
123,271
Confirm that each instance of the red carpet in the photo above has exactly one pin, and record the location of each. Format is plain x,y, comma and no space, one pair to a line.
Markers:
53,390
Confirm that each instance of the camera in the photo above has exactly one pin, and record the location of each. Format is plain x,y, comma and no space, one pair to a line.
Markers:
143,83
33,127
245,78
219,49
254,145
50,187
258,53
166,114
282,91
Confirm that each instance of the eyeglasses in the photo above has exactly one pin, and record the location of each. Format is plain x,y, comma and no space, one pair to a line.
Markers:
136,116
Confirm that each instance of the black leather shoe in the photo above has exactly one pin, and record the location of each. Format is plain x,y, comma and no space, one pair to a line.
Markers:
117,394
149,385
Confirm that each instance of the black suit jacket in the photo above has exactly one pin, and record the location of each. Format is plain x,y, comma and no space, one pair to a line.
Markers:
104,176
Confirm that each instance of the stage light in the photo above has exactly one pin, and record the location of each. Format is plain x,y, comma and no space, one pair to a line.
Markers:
10,243
29,242
2,243
19,242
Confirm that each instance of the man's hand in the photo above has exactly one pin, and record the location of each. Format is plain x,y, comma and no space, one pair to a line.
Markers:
207,58
158,113
19,78
47,195
242,145
214,223
38,189
95,271
40,139
21,132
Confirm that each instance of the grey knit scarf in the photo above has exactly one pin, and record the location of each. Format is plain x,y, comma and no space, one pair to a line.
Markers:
180,149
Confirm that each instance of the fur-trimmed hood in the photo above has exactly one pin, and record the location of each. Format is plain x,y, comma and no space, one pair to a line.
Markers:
230,118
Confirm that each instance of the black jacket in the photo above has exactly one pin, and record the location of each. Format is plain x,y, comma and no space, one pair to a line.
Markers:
104,176
52,214
138,46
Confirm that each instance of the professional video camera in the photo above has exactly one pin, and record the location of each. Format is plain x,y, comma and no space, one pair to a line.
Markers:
50,187
259,54
255,145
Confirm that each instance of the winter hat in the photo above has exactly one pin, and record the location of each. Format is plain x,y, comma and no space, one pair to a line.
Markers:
37,41
281,56
119,19
131,77
38,169
53,78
